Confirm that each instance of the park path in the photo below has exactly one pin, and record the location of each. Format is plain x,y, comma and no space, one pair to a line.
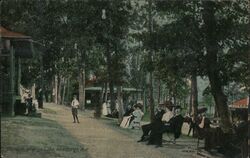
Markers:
102,141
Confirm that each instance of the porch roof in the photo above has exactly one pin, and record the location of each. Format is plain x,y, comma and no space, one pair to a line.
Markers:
10,34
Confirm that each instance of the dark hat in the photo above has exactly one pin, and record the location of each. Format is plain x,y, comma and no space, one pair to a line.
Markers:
139,105
202,110
168,103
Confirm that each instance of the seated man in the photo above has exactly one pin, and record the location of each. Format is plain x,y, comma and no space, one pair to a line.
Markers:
174,125
129,111
146,129
158,129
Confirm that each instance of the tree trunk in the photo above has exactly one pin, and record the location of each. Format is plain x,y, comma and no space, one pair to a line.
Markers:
56,89
175,92
169,94
59,92
102,99
119,99
159,91
64,91
112,95
52,94
216,112
144,100
46,95
102,94
151,97
249,103
98,105
190,102
106,92
194,94
110,77
68,91
211,45
19,75
82,88
42,85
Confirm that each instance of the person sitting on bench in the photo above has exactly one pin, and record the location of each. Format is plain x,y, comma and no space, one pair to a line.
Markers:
146,129
155,137
137,115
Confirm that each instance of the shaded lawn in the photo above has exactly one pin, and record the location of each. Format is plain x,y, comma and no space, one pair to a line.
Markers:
37,137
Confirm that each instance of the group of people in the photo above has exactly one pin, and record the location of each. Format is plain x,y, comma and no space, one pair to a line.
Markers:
27,98
106,109
167,119
29,104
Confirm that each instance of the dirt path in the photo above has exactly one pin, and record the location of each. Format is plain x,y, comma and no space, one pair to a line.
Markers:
103,141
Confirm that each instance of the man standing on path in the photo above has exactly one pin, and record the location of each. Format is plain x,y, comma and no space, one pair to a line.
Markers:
74,107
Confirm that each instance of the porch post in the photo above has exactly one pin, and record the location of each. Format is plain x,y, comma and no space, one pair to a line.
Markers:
10,110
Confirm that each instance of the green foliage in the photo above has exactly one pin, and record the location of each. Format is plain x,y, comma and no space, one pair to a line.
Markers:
122,40
185,34
59,25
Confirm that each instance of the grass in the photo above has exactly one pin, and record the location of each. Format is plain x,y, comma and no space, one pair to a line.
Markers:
49,111
113,124
37,137
146,117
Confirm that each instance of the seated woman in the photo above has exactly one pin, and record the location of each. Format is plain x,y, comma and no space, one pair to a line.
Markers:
167,116
30,105
137,115
106,111
132,117
127,118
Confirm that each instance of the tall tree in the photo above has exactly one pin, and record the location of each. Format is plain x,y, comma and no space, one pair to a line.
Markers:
151,97
218,29
115,21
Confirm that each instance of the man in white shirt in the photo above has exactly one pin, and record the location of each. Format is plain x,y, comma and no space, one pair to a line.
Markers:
74,107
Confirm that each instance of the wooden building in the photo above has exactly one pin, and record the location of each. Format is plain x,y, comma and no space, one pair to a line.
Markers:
239,109
14,47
